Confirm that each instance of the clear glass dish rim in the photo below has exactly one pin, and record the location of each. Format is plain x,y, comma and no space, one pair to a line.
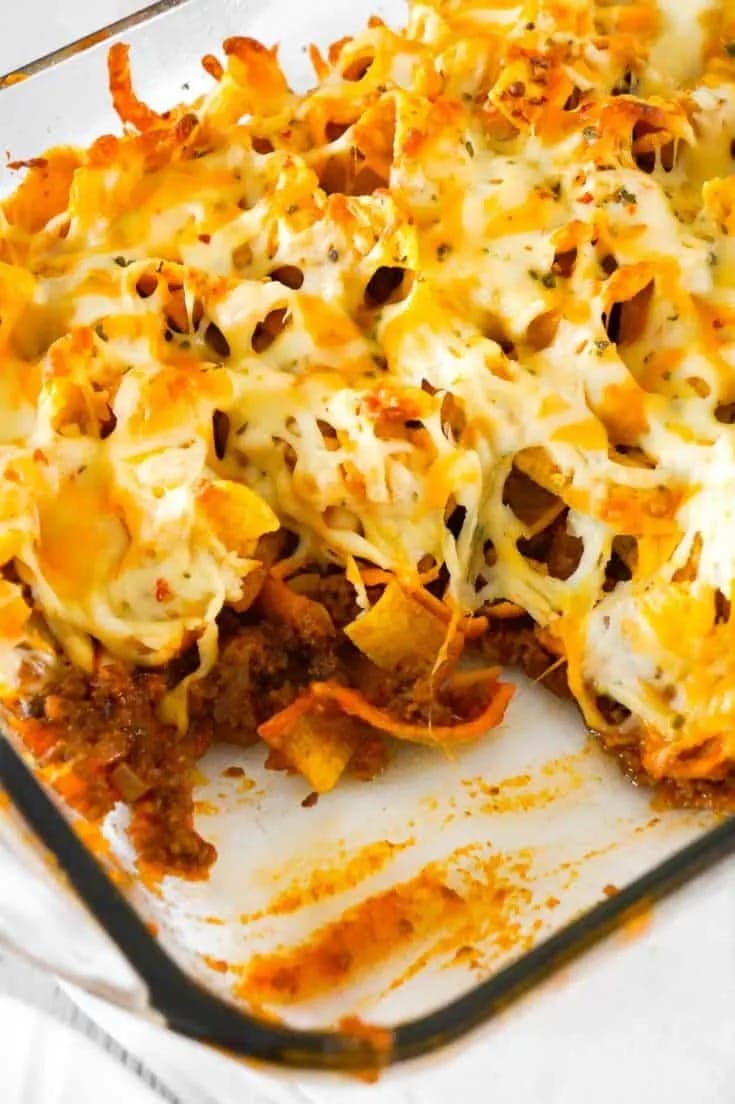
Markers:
191,1010
86,42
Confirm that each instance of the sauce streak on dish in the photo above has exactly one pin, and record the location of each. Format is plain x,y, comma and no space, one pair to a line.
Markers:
468,897
329,879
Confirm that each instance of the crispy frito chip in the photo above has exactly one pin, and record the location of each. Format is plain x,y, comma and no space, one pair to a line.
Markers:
399,634
237,515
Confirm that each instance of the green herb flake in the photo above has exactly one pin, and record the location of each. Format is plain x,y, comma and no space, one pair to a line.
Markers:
442,251
678,721
470,148
730,49
548,280
123,262
624,196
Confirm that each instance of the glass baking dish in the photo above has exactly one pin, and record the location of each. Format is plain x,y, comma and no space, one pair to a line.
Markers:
396,915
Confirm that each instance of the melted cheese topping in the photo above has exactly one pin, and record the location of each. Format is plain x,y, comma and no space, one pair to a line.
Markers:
496,241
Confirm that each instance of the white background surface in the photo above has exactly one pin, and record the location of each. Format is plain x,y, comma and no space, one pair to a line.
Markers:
44,1058
653,1021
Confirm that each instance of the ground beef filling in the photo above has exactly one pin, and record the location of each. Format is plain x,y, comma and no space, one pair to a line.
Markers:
100,741
100,738
515,644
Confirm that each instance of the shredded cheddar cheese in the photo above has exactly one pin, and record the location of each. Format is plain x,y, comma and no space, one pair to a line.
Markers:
493,246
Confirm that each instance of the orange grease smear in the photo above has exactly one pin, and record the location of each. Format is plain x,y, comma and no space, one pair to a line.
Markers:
638,923
492,923
205,808
379,1038
325,882
463,901
513,795
217,964
94,840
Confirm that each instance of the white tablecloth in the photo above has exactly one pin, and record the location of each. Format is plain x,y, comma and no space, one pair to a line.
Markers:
46,1062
